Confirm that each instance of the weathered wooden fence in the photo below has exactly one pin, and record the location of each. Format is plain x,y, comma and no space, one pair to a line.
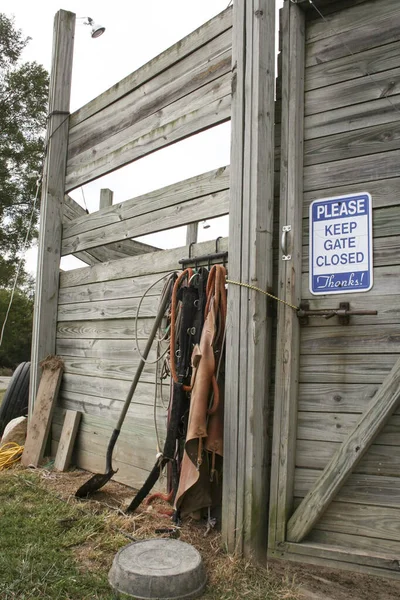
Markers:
338,137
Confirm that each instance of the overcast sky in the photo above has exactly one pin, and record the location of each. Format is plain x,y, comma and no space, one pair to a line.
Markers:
136,31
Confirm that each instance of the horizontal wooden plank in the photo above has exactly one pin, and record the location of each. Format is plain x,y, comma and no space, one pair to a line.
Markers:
374,60
375,547
200,110
211,182
189,44
72,211
335,427
108,349
213,205
383,29
356,170
342,369
388,308
362,142
384,193
351,559
97,388
132,287
386,250
379,460
113,368
108,411
358,489
68,332
386,282
349,93
204,66
335,398
370,521
108,309
351,118
157,262
361,339
138,425
352,18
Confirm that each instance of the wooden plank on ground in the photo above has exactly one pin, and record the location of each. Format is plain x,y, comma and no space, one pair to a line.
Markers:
40,422
347,457
189,44
67,440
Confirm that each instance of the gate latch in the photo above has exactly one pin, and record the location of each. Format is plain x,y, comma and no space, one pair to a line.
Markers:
343,312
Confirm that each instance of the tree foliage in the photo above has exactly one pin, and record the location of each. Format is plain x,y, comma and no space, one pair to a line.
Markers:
16,346
23,107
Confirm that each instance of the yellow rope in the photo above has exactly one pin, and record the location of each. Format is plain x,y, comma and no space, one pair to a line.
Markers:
10,454
253,287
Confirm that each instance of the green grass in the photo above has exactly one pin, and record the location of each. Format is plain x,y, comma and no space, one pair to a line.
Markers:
46,544
51,549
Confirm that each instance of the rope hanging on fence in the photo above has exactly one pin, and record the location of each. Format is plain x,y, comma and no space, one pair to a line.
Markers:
10,454
257,289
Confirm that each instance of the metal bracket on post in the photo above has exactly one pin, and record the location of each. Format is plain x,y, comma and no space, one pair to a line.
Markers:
285,230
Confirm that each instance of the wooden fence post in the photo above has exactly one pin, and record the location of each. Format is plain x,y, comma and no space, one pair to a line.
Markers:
245,493
52,198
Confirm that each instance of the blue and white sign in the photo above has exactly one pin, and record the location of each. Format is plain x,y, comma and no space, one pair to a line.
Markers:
341,245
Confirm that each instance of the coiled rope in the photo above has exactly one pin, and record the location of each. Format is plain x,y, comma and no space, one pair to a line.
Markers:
10,454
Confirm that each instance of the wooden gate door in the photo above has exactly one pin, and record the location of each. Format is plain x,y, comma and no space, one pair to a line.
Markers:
335,483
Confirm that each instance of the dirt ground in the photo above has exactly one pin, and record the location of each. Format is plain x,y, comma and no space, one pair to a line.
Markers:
304,581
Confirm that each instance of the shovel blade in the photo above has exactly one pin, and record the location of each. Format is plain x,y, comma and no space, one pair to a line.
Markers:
94,483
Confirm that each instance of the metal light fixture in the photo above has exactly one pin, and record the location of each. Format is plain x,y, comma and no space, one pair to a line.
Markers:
206,224
97,30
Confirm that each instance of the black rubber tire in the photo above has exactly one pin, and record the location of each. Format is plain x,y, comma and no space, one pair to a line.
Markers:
15,401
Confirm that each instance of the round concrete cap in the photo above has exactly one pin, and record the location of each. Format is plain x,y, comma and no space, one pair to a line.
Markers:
162,568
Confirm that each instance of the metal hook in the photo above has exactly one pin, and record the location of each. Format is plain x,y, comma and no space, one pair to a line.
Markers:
217,244
190,248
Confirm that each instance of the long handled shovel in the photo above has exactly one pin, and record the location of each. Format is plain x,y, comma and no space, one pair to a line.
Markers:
99,479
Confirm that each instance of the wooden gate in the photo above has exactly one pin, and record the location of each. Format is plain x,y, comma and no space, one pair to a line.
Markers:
335,485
